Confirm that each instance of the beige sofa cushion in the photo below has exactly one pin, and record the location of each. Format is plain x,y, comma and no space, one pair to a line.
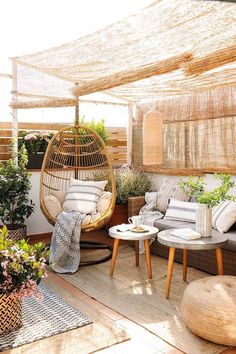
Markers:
169,189
224,216
104,202
52,205
60,195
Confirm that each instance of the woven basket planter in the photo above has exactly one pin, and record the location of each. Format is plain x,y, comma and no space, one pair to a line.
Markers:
18,233
10,313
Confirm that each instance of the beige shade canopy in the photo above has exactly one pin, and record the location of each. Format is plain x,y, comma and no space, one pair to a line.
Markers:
169,48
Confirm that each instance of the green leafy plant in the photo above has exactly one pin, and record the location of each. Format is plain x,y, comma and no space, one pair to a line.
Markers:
22,266
131,183
15,204
98,127
196,188
35,142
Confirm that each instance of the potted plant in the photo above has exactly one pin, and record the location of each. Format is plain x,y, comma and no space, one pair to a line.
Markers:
36,144
15,204
22,266
129,183
196,189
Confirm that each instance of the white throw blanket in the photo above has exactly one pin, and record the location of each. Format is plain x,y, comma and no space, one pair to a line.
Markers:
149,214
149,211
65,246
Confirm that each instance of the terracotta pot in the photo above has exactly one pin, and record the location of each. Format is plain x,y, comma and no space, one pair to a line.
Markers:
119,216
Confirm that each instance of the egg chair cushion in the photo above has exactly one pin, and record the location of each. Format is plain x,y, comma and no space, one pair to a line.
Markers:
60,195
83,196
104,202
52,205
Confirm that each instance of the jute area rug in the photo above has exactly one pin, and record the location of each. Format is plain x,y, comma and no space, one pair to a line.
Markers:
96,333
131,294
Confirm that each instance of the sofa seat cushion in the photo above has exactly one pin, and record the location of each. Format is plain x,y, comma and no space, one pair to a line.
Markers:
231,245
164,224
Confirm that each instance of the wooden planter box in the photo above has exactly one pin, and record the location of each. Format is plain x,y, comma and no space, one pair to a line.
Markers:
119,216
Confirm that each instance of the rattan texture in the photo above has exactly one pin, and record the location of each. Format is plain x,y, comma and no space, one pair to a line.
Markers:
169,48
208,309
76,152
17,234
10,309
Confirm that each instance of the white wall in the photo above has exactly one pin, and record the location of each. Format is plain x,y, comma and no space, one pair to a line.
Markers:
211,181
37,223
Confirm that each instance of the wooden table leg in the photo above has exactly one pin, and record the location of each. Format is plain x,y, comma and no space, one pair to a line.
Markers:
219,261
169,270
136,246
148,258
114,254
185,264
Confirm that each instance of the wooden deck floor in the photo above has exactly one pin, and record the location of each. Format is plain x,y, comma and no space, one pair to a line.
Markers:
142,341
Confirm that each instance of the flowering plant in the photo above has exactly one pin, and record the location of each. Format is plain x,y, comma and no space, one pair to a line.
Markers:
34,141
22,266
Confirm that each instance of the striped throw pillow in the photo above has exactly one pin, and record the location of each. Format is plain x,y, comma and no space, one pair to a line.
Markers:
169,189
83,196
182,211
224,216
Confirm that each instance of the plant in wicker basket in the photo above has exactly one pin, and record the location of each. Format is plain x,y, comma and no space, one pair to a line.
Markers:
15,204
22,266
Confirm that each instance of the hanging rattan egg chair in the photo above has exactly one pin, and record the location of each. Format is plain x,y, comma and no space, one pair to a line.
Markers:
76,152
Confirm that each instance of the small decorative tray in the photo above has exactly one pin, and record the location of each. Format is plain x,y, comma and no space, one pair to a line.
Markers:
138,230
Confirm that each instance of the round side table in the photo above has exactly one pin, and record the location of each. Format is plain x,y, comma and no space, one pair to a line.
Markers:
150,233
216,241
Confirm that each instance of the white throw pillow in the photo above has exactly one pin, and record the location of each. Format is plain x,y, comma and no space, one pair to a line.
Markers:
169,189
86,220
60,195
52,205
104,202
224,216
83,196
182,211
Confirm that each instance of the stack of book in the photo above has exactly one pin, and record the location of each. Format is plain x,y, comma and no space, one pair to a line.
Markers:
186,234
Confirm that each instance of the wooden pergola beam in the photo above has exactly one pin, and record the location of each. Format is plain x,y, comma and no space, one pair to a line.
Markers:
126,77
211,61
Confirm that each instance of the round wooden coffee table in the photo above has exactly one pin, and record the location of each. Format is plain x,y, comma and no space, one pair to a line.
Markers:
216,241
150,233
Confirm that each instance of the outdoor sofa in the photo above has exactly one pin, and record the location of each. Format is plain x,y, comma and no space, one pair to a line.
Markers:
202,260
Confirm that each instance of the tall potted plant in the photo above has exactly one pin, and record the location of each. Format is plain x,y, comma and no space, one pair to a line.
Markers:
15,204
196,189
129,183
21,268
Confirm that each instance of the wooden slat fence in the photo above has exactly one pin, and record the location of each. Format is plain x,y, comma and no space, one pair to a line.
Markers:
117,146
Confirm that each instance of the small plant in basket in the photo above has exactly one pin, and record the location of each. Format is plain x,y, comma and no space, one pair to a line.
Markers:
22,266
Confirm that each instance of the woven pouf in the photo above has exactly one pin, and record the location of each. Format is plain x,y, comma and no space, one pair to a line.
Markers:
209,309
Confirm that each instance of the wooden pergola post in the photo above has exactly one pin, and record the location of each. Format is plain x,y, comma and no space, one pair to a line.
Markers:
14,113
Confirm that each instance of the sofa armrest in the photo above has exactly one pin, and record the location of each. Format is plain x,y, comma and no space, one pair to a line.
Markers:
134,205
